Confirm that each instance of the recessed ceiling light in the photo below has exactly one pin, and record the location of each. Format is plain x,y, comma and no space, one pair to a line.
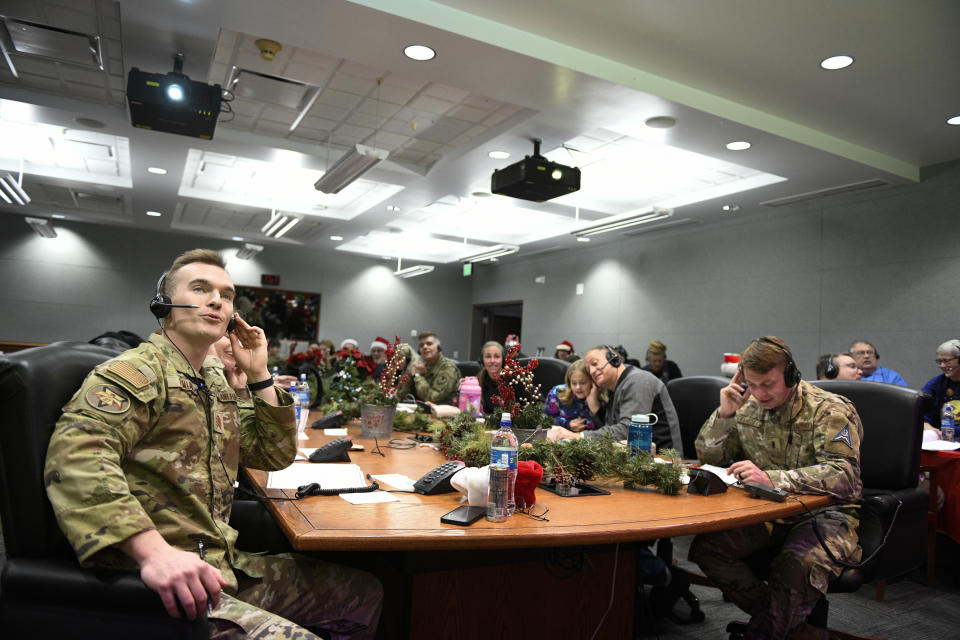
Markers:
392,207
157,170
953,120
731,207
154,214
660,122
237,239
419,52
739,145
583,239
58,216
836,62
499,155
336,238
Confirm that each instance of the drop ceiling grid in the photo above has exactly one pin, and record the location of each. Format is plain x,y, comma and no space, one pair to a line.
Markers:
92,17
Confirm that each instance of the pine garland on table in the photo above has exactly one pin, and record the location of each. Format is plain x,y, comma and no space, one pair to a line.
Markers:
463,438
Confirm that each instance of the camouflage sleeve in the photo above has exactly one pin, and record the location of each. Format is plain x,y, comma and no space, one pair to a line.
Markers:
83,476
718,441
268,434
441,387
835,471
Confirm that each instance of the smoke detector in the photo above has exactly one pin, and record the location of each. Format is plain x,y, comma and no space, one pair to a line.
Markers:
268,48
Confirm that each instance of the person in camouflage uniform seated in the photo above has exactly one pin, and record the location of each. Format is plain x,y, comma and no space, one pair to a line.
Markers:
780,431
435,379
141,467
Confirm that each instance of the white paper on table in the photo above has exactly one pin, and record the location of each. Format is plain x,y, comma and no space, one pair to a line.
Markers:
335,431
373,497
302,436
329,475
720,471
940,445
396,480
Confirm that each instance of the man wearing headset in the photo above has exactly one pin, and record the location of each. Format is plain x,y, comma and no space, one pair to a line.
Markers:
634,391
838,366
774,429
142,465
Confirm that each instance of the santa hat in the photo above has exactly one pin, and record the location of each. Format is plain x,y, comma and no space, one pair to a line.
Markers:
512,339
566,345
349,341
379,342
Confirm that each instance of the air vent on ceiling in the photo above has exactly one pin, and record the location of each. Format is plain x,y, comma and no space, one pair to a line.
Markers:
41,40
263,87
830,191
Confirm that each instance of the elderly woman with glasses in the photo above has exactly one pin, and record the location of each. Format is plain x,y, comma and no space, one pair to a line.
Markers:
945,388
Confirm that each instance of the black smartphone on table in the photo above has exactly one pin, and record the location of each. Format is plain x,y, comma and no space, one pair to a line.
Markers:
463,515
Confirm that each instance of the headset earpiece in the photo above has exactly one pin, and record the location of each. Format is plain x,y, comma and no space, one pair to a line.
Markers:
160,305
831,371
614,357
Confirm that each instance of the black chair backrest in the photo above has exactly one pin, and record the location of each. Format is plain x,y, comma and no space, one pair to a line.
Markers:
694,398
468,368
548,374
34,385
892,430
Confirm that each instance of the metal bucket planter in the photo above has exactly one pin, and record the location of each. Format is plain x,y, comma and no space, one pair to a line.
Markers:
376,420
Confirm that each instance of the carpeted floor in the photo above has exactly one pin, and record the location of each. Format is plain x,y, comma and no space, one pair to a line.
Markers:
910,610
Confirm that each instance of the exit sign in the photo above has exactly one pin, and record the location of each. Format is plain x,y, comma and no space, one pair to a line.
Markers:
270,279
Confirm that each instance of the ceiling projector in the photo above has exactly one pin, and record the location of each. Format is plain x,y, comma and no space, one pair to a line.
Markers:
172,102
535,178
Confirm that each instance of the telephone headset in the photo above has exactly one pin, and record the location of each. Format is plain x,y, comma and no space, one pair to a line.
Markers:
161,304
831,371
614,359
791,374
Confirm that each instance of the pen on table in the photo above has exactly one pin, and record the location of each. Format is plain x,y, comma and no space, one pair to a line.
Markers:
203,556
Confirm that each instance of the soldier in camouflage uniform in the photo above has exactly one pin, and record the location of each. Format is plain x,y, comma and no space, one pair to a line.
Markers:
436,378
141,467
782,432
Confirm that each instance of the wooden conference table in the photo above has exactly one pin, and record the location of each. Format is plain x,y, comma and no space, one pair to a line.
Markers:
498,570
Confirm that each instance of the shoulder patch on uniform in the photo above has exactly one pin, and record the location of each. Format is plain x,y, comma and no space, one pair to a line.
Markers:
148,372
126,371
107,398
843,436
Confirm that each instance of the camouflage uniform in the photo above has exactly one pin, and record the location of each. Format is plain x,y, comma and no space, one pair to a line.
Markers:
438,383
139,447
810,444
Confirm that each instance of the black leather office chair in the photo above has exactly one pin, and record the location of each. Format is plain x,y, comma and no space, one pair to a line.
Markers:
45,593
694,398
468,368
548,374
892,418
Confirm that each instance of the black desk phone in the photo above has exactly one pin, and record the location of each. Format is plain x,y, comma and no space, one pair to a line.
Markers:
438,480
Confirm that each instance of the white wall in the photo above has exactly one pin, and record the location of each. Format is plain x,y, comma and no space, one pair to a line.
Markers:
884,266
92,279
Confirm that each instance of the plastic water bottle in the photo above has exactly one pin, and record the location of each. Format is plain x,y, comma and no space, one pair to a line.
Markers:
640,435
503,472
275,374
296,400
948,424
303,391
